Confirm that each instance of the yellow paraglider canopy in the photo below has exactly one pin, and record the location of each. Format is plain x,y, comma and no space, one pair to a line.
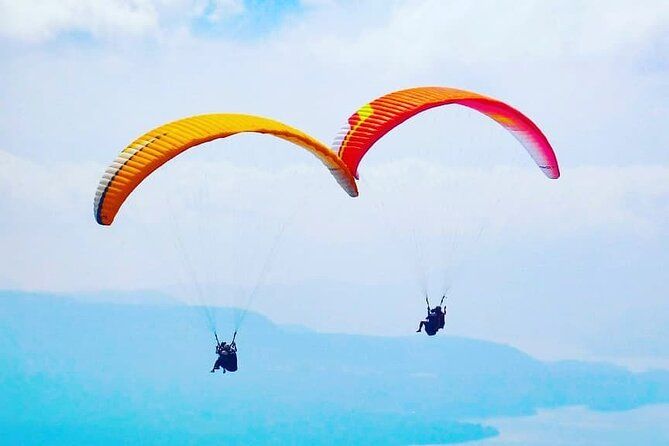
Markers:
153,149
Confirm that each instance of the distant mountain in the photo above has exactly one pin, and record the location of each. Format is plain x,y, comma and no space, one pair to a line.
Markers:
99,373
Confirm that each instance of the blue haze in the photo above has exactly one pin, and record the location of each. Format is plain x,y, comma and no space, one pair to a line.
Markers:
73,372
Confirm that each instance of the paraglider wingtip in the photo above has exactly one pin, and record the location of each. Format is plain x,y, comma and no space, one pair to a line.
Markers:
552,172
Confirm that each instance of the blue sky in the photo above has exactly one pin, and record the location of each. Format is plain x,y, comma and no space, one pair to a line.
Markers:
243,20
562,266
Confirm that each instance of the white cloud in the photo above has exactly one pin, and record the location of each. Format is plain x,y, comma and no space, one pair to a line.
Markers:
221,217
410,33
218,10
422,35
41,20
627,199
50,206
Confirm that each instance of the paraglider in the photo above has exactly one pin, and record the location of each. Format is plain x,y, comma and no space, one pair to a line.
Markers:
153,149
375,119
435,320
378,117
150,151
227,355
